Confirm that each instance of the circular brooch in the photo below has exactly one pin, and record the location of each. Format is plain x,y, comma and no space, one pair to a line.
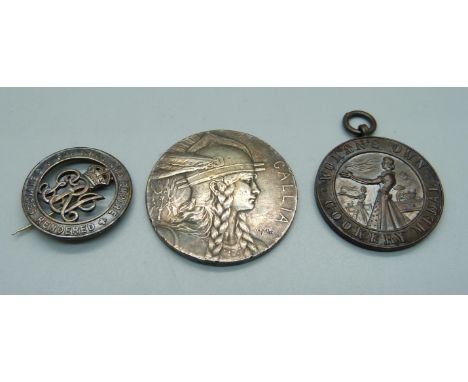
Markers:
76,193
376,192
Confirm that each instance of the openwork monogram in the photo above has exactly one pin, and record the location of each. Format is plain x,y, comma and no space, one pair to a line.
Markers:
73,191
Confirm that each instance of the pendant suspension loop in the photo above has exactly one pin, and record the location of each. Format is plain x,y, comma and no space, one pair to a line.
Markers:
364,129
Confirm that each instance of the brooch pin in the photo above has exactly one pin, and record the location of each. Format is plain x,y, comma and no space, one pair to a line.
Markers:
76,193
376,192
221,197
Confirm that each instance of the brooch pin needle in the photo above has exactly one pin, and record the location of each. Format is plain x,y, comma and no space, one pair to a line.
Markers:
25,228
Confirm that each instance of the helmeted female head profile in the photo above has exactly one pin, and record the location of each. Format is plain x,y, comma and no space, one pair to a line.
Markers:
206,188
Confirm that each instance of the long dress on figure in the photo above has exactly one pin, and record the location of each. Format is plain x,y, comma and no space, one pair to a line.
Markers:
385,215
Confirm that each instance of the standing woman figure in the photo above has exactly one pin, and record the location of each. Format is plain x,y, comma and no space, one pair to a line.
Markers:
385,214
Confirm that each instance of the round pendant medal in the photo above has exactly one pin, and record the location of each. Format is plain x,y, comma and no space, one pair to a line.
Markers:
376,192
76,193
221,197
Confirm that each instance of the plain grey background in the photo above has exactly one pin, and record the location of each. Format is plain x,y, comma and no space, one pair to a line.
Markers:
303,124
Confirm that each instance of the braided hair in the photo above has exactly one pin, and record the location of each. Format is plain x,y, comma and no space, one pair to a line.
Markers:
210,220
221,212
245,238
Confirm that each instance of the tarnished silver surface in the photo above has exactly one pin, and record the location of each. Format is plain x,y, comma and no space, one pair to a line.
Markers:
378,193
76,193
221,197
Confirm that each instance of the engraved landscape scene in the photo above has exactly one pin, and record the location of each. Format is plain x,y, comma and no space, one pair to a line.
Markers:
217,197
379,191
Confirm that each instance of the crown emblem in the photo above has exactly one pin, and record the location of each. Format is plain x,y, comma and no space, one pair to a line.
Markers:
98,175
